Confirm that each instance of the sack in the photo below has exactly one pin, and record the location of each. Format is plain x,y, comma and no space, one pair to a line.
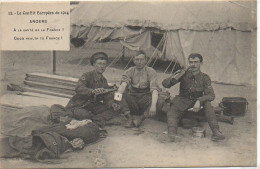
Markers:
57,111
89,133
53,144
234,106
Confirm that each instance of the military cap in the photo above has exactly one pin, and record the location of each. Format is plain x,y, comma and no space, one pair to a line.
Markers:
194,55
98,55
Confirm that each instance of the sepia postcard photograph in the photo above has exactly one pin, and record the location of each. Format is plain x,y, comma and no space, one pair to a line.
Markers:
119,84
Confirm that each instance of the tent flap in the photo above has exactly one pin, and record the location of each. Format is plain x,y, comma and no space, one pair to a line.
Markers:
139,42
227,54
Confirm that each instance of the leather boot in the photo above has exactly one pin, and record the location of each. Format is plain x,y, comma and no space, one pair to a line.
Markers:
172,134
213,123
129,122
217,135
138,120
173,118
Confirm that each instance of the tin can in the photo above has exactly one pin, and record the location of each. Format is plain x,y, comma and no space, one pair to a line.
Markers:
198,132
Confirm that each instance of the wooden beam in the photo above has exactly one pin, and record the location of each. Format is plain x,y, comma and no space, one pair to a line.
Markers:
46,92
50,76
39,84
51,87
47,96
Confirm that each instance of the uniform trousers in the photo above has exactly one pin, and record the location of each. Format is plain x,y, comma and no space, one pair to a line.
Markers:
176,112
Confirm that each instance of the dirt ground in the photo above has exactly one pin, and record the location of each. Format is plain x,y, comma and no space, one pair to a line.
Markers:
145,146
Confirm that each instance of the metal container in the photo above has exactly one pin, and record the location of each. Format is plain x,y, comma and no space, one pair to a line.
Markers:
234,106
198,132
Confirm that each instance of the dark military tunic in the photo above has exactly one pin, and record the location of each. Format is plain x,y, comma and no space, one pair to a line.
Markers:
83,104
86,84
192,88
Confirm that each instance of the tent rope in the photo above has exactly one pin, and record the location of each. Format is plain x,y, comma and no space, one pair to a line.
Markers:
154,61
150,59
173,57
115,60
241,5
129,62
80,61
157,53
69,59
173,67
168,65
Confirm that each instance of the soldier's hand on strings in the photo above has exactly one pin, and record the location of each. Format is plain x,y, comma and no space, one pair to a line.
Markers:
98,91
116,106
196,106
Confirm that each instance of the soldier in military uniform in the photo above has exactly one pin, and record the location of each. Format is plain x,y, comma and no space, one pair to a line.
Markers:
141,96
195,92
90,102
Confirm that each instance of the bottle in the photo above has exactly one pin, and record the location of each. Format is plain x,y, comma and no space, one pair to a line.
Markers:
179,73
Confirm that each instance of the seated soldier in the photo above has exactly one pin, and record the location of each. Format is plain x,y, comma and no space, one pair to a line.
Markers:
92,101
141,99
195,91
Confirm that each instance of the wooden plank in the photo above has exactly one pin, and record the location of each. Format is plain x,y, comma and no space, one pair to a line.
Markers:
10,107
4,108
51,76
57,78
42,95
39,84
34,90
19,101
50,88
50,81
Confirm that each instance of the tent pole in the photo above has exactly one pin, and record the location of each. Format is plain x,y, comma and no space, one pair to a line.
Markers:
53,61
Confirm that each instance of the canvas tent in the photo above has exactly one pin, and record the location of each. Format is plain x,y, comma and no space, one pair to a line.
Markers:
223,32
